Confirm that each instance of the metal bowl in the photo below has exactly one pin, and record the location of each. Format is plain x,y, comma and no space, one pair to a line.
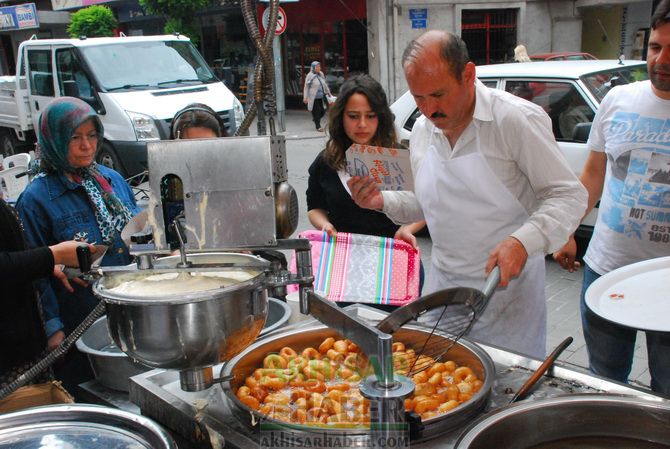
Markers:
112,368
463,353
584,421
188,330
279,314
79,426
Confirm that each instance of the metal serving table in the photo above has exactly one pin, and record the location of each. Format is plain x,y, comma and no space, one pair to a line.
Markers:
206,420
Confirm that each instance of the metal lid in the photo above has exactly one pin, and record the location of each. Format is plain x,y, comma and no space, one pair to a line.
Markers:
236,272
80,426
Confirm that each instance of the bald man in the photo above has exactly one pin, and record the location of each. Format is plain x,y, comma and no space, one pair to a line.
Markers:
493,186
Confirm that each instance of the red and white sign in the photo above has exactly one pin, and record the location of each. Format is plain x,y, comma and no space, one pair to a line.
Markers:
281,20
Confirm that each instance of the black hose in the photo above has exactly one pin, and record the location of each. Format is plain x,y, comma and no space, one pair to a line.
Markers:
246,122
49,360
264,70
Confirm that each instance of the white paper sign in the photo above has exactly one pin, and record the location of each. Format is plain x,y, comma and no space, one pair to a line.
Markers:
389,167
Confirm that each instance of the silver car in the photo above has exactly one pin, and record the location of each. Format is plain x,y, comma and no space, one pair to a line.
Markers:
569,91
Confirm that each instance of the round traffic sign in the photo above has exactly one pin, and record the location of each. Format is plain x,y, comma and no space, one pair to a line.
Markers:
281,20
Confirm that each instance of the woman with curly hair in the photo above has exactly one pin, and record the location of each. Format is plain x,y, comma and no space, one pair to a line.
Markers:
359,115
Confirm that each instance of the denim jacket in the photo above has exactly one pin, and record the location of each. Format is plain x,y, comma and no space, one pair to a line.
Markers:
54,209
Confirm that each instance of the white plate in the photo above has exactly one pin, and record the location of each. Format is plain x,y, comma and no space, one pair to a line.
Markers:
636,295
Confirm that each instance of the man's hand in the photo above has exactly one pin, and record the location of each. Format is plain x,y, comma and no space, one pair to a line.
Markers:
510,256
305,100
365,193
566,255
55,340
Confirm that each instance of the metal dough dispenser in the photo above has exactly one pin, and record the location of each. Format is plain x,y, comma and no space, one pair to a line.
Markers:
201,308
235,192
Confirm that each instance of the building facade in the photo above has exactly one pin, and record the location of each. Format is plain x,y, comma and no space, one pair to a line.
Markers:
350,36
604,28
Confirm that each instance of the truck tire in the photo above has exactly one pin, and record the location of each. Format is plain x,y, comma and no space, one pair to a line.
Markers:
9,144
107,157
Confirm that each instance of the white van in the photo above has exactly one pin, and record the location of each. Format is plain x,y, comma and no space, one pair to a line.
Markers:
136,84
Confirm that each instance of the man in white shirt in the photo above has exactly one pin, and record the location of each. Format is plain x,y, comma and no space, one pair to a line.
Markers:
492,185
628,171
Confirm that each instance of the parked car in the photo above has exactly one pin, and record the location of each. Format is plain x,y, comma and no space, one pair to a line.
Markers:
570,92
562,56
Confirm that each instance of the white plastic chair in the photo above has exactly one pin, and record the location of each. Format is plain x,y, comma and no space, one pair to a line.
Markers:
17,160
11,185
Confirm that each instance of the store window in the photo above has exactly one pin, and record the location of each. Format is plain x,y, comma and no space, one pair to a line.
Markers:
341,47
490,34
227,49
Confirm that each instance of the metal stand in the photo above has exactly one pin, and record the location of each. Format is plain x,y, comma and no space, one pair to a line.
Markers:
386,394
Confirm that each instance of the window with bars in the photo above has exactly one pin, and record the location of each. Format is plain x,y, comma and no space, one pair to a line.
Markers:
490,34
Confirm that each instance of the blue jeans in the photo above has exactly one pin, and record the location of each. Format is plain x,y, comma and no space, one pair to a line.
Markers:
611,346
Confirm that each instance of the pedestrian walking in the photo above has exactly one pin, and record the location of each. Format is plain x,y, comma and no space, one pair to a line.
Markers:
315,94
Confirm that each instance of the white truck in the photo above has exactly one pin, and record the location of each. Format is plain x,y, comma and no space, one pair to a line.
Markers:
136,84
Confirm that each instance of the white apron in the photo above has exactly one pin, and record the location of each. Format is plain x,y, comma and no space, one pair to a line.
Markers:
469,211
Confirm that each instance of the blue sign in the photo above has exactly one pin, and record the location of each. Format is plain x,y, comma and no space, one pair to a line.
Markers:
18,17
418,14
419,23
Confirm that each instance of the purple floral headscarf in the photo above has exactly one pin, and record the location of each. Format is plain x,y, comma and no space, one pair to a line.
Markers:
58,122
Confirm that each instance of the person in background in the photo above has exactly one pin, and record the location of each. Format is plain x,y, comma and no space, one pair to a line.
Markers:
618,162
73,198
491,183
315,94
21,327
197,121
359,115
521,54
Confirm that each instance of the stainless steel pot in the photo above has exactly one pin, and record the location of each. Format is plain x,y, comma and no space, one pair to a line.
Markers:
113,368
80,426
463,353
187,331
584,421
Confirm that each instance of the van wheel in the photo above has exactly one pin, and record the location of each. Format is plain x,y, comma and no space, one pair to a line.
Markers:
107,157
8,143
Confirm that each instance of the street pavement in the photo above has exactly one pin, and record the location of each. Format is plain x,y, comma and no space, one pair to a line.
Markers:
303,143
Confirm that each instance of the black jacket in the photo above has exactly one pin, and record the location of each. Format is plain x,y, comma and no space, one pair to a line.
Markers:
325,191
22,336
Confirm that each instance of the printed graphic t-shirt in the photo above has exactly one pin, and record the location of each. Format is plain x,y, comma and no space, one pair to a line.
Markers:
633,128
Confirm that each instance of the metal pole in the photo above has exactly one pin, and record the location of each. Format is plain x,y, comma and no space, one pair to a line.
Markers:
279,83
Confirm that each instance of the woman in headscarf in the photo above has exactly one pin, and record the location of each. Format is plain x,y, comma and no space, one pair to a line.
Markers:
73,198
315,94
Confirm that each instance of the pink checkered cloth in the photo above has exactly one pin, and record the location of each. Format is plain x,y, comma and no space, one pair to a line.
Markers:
362,268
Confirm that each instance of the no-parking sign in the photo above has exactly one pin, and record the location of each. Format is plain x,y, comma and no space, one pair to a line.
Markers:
281,20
